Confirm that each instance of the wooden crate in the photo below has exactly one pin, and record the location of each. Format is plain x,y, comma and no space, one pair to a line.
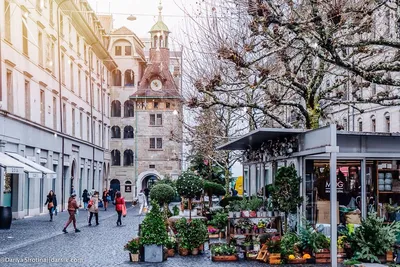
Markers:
323,257
274,258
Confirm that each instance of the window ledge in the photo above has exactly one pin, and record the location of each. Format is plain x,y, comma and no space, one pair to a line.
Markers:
155,125
7,41
156,149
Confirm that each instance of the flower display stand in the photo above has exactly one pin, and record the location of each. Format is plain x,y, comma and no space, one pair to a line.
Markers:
225,258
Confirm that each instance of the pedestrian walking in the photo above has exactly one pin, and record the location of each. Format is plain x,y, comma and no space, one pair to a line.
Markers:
106,198
142,201
86,198
146,193
72,209
51,203
119,207
94,208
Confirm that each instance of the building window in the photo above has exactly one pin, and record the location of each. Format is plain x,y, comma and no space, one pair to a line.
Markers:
156,105
51,12
128,50
40,47
387,122
115,108
53,58
360,126
25,40
167,105
115,132
64,122
100,135
129,78
7,20
115,158
84,53
54,112
79,84
152,166
80,125
62,25
129,108
155,119
128,157
86,89
116,78
118,51
87,128
73,121
373,124
128,132
71,68
27,100
155,143
42,107
10,93
63,69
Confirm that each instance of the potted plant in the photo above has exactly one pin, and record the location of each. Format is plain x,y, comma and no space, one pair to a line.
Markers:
253,205
153,234
256,244
274,248
223,252
133,247
244,207
286,193
245,225
171,245
220,220
198,235
189,185
235,208
212,232
247,245
322,252
373,239
163,194
289,246
270,208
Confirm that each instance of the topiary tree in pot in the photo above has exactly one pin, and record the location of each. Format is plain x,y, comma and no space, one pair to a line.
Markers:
189,185
153,234
211,188
163,194
286,192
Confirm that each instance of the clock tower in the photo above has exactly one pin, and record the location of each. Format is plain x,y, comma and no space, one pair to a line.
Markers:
158,104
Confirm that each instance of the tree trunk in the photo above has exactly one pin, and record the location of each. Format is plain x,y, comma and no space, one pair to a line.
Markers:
190,209
226,182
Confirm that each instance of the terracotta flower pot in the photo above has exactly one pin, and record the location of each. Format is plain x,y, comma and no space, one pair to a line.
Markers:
201,247
133,257
183,251
171,252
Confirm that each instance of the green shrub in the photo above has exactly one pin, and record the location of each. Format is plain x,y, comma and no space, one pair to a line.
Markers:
225,202
189,185
211,188
153,230
162,193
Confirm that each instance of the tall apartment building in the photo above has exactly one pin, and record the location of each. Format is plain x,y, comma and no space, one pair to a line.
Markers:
146,105
54,102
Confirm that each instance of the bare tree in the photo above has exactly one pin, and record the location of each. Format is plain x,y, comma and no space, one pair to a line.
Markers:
299,59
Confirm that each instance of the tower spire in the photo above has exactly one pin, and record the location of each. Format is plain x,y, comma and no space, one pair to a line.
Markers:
159,11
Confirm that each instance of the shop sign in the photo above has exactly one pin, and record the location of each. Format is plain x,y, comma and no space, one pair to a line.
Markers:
339,187
16,170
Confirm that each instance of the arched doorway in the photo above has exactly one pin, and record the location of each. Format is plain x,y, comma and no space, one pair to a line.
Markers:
149,181
114,186
72,186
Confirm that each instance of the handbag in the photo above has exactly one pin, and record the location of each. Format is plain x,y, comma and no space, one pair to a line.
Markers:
123,210
90,204
50,205
100,204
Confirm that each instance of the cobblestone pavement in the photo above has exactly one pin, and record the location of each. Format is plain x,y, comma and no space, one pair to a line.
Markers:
36,239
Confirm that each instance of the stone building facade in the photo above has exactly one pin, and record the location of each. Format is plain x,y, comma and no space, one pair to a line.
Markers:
54,103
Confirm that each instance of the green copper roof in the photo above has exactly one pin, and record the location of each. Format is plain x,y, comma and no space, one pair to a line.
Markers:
159,26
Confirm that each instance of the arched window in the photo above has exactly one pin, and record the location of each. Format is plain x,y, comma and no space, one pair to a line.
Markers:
116,78
128,186
129,108
161,42
387,122
128,158
360,125
129,78
373,124
115,132
128,132
115,108
155,42
115,158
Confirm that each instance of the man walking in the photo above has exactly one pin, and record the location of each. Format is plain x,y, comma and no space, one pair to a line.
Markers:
72,208
146,193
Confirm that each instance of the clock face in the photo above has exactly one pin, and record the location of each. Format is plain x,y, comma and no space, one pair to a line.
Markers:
156,85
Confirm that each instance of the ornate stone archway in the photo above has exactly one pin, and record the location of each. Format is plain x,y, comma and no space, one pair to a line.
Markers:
144,177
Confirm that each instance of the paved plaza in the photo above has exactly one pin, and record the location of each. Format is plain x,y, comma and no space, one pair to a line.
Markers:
35,239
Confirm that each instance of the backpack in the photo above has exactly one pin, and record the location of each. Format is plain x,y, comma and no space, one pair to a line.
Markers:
90,204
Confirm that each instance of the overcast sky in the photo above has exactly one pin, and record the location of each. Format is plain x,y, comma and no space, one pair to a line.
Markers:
146,12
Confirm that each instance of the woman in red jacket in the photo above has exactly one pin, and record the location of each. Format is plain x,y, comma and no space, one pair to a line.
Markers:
119,206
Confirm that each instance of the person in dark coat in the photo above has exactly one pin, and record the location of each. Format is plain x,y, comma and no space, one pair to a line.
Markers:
51,203
105,198
146,193
72,207
86,198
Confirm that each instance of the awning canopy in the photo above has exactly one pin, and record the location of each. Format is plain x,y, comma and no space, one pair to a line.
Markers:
47,172
14,166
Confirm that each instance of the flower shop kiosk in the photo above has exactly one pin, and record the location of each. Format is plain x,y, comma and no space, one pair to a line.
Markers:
365,167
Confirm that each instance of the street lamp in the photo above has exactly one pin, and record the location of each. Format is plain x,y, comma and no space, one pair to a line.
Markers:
131,18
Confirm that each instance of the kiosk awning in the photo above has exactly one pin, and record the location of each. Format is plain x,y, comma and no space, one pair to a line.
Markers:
14,166
47,172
